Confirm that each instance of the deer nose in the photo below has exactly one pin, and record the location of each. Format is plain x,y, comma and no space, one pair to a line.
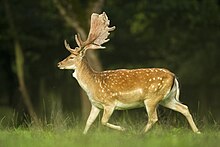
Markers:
58,64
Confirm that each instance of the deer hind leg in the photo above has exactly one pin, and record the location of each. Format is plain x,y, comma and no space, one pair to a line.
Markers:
151,108
179,107
92,116
108,110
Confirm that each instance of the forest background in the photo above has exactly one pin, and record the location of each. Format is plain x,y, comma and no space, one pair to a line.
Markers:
183,36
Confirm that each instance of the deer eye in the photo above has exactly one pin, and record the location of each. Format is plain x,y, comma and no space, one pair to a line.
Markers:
71,57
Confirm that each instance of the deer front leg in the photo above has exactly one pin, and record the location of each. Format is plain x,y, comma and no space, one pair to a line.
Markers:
92,116
108,110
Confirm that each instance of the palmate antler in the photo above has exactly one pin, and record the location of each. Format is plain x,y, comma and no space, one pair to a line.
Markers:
98,34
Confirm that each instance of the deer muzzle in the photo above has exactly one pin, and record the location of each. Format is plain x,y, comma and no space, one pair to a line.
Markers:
59,65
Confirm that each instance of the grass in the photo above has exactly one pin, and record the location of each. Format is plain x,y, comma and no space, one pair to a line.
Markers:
60,132
99,136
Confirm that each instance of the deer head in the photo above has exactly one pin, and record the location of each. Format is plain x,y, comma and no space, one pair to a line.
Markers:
98,34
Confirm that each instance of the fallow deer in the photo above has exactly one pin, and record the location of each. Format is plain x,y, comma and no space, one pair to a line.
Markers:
121,89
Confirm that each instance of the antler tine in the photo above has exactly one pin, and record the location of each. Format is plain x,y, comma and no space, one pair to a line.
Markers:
78,40
69,48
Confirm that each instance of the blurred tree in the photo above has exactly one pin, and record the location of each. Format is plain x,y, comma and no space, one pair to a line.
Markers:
34,25
19,64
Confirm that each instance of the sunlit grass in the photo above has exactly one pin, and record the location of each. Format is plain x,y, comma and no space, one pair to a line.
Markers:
173,131
99,136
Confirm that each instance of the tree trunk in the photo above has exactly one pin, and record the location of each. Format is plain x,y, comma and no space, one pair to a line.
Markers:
93,6
19,64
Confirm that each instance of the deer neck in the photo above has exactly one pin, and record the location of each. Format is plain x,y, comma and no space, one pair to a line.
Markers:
84,74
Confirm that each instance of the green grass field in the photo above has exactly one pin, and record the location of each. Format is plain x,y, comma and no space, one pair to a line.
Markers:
98,136
172,130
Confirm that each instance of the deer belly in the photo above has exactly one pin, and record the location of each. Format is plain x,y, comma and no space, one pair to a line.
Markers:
130,99
124,106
